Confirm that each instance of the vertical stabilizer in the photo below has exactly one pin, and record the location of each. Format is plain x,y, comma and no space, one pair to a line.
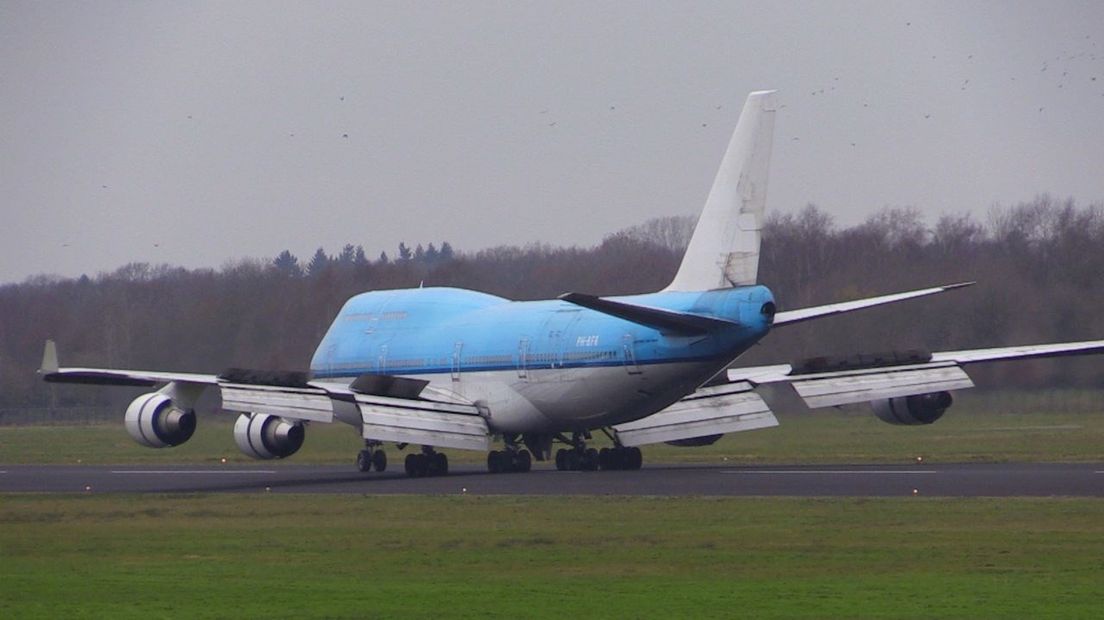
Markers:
724,250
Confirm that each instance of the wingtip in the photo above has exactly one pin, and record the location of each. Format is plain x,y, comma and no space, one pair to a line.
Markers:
959,285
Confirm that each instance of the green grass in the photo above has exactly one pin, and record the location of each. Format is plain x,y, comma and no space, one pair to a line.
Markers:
460,556
816,437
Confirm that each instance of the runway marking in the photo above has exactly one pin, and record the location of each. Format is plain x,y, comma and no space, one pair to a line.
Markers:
833,472
159,472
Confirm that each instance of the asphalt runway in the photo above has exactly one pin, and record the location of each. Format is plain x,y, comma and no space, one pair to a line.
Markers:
960,480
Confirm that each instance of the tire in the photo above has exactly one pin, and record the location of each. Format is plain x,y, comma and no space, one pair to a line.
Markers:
379,460
635,458
561,460
590,460
605,460
364,461
411,465
440,464
572,460
524,461
494,465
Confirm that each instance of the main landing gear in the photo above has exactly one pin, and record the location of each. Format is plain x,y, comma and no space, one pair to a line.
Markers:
509,461
581,458
372,457
427,463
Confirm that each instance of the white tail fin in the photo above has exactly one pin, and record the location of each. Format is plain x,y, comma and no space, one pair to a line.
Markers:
724,250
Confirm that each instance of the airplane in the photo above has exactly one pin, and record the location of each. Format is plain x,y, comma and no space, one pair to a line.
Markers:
452,368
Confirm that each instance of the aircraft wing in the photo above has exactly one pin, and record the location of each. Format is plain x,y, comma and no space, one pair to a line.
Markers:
827,382
390,408
707,412
822,382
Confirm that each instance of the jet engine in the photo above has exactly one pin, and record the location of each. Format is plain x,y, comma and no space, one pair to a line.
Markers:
912,410
155,421
264,436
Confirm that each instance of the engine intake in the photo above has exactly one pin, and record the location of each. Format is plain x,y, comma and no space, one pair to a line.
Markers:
264,436
913,410
154,421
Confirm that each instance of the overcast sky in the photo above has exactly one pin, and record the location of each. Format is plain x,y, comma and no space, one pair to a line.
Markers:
194,133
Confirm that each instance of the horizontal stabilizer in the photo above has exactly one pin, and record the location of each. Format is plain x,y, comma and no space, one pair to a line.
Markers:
816,312
708,411
663,320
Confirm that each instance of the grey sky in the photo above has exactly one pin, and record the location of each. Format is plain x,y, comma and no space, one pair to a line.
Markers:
194,133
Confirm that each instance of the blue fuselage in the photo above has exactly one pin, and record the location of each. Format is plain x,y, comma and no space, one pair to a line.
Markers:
570,364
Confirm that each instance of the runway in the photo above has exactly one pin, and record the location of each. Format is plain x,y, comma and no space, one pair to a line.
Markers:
958,480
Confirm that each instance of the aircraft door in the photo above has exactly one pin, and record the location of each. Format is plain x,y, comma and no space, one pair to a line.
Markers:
523,359
456,350
628,348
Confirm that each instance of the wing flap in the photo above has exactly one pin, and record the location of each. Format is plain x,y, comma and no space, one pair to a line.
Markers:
865,386
708,411
298,403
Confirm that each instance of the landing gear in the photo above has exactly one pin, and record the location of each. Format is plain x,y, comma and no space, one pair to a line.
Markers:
372,457
509,461
581,458
620,458
428,463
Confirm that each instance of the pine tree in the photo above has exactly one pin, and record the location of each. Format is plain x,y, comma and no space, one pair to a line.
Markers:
404,252
287,264
348,253
318,263
419,253
383,259
446,252
360,259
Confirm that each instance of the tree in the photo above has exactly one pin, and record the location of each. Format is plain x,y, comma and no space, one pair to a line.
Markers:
360,259
419,254
347,255
404,252
287,264
318,263
446,252
383,259
431,254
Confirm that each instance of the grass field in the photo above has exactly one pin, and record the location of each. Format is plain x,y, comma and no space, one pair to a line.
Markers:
345,556
817,437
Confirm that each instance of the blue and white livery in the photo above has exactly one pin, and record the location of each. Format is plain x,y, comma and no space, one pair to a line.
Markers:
453,368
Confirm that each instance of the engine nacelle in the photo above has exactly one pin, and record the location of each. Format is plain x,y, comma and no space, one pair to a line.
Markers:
154,421
913,410
264,436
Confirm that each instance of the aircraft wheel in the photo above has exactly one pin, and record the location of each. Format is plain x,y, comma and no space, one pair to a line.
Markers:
635,458
412,465
572,460
364,461
605,460
590,460
561,459
524,461
379,460
440,464
494,463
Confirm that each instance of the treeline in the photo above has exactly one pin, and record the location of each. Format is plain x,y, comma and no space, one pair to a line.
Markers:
1038,265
